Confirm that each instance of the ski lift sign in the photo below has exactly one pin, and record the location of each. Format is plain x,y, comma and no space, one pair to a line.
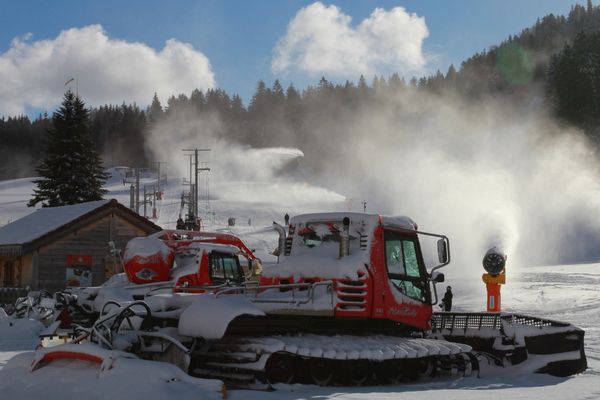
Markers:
79,270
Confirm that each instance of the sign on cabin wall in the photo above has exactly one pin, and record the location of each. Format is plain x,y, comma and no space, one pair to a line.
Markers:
79,270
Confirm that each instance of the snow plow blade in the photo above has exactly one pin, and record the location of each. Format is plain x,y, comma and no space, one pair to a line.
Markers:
82,352
551,347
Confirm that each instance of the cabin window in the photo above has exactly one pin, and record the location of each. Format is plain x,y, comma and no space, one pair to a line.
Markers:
410,258
402,262
225,267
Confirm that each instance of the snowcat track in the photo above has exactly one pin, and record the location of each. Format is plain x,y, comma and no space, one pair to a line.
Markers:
332,360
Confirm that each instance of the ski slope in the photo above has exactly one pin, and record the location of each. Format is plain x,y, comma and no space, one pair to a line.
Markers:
569,293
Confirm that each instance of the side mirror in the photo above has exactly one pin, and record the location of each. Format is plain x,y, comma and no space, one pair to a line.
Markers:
442,248
438,277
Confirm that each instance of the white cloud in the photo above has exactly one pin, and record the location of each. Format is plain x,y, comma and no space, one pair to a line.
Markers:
321,40
33,73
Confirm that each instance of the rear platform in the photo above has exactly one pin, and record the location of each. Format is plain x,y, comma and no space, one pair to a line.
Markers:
556,348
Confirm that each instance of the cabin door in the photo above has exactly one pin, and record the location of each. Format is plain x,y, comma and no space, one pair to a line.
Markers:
8,274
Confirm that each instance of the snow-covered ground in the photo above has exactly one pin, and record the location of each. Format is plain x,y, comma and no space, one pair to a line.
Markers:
569,293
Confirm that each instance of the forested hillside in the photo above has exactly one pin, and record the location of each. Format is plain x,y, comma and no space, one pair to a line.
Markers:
554,64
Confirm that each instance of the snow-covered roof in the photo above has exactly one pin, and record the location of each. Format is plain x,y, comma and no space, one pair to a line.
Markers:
332,216
43,221
402,222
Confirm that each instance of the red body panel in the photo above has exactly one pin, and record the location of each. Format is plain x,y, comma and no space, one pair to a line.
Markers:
63,354
148,269
201,278
174,239
354,297
374,289
371,294
157,267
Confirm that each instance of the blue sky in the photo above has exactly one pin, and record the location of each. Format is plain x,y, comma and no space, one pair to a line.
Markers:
239,37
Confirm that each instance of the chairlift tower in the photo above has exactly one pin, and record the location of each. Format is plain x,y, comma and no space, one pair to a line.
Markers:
195,168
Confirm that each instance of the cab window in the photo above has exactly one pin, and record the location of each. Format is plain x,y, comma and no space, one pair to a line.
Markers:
225,267
410,258
394,256
402,261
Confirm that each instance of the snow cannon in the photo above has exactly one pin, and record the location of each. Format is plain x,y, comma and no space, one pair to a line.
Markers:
494,262
147,260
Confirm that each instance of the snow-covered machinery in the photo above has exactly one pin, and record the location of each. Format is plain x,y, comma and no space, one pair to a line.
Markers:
350,301
167,261
47,308
183,257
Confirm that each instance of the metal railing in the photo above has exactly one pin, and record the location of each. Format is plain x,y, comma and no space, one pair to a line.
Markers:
456,322
186,288
299,293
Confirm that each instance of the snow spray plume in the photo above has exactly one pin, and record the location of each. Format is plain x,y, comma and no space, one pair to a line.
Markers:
238,173
484,174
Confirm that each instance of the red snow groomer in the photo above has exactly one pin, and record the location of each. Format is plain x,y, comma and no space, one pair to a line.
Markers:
173,261
349,302
183,257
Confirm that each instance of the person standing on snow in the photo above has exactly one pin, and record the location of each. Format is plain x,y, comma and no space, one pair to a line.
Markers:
447,300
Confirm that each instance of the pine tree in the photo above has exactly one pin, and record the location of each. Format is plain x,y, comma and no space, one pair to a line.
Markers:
574,82
278,94
363,88
72,171
198,100
155,112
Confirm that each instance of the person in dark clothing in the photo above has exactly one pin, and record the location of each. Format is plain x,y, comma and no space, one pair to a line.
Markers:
180,223
447,300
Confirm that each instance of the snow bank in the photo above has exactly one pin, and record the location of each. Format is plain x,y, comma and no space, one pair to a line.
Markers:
21,329
323,263
16,336
208,316
315,247
126,379
169,305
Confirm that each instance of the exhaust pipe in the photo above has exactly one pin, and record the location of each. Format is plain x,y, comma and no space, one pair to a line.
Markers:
345,238
281,245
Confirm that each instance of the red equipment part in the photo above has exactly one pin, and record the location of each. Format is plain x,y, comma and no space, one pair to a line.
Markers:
62,354
493,297
157,267
176,239
148,269
493,284
192,281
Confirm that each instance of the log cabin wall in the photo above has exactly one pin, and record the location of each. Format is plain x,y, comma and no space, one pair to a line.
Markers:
90,240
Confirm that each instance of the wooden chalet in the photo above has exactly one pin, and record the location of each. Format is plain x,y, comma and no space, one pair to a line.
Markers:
56,247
